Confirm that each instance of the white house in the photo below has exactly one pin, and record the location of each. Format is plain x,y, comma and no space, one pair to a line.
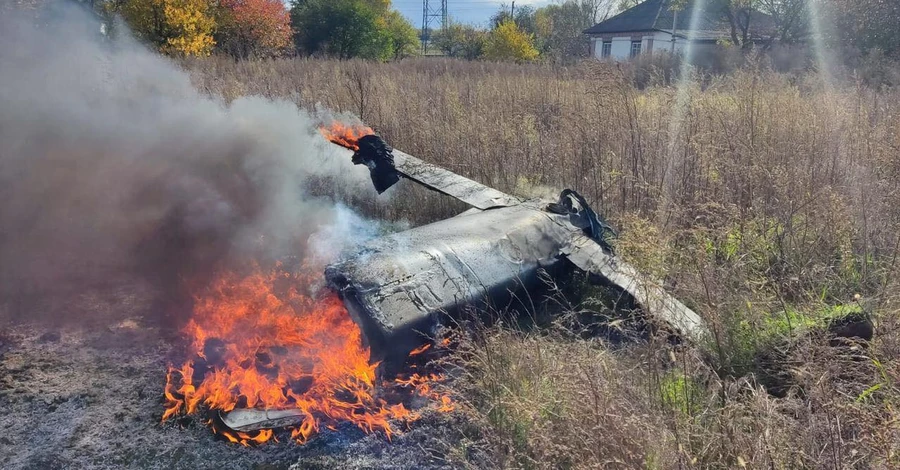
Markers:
653,26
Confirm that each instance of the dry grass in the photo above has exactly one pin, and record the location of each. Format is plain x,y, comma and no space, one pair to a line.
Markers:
765,201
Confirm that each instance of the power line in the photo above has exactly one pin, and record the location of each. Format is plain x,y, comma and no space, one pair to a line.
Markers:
434,13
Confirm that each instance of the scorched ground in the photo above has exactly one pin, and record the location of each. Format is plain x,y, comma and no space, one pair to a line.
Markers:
89,395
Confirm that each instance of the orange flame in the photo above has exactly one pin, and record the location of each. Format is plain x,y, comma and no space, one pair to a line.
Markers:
345,135
258,342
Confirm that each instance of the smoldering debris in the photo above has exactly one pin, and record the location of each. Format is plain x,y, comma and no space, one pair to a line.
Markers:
112,165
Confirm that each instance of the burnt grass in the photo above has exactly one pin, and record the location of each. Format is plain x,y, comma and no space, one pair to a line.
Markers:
88,394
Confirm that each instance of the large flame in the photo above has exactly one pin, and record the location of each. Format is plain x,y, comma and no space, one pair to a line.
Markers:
345,135
259,342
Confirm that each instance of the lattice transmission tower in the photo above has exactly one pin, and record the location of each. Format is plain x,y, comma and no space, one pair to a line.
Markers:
434,14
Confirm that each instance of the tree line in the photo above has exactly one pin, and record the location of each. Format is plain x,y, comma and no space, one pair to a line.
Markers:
369,29
373,29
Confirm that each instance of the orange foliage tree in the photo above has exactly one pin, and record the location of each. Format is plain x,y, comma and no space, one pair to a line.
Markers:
253,28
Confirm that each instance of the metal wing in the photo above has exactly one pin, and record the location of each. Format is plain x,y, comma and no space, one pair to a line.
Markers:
589,256
446,182
386,165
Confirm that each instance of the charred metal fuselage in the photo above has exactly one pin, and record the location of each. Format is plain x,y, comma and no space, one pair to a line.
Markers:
398,287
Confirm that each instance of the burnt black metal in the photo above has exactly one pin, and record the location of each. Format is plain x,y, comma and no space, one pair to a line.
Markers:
581,215
399,286
376,154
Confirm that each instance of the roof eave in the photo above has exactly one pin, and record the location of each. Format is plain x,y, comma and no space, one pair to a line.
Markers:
625,31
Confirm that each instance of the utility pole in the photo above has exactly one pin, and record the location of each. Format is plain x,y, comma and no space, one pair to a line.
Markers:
434,12
512,11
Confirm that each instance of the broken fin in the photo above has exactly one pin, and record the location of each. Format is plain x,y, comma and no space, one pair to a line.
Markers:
590,256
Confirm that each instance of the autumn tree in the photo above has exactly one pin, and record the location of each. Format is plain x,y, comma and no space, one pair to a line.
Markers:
509,43
253,28
557,30
183,27
523,17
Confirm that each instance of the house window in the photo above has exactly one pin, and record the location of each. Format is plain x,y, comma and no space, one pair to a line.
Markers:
606,49
635,48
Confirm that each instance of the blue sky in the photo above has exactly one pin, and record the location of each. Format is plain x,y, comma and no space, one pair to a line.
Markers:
477,12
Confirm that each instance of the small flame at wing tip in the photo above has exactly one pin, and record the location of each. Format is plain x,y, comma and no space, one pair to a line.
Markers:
345,135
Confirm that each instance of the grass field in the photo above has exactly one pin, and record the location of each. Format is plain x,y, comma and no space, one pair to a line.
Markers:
767,202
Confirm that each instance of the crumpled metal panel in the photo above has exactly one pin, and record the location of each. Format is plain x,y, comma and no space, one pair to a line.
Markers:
394,286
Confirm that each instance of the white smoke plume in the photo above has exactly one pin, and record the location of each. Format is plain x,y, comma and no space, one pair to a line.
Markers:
112,164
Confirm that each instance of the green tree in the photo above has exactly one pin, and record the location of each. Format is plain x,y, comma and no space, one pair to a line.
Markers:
523,17
509,43
402,37
458,40
181,27
345,29
340,28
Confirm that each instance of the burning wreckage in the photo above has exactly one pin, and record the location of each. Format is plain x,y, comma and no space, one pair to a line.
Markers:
399,287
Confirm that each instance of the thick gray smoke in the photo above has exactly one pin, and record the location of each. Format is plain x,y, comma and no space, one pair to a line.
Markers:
112,165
